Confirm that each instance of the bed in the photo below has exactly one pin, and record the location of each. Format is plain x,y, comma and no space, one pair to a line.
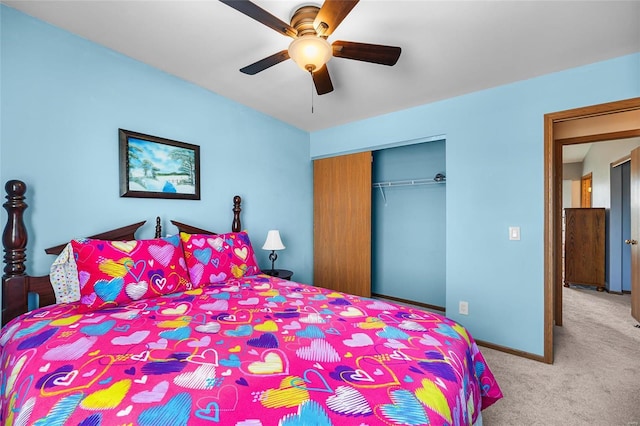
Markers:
240,348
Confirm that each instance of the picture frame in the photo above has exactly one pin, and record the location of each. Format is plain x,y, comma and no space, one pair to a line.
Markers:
155,167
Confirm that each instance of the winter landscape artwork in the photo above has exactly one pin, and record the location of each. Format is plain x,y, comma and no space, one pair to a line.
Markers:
154,167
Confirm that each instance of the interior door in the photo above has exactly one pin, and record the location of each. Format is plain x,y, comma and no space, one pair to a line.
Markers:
585,190
342,223
635,234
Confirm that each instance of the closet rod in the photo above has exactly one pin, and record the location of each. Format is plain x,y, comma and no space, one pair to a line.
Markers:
439,178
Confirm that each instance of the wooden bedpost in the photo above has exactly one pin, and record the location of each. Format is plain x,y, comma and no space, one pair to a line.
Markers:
236,226
158,233
14,237
14,240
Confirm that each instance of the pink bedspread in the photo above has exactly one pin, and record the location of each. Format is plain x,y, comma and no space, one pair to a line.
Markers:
256,351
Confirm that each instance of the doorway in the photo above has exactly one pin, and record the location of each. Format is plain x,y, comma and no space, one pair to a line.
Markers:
585,190
612,124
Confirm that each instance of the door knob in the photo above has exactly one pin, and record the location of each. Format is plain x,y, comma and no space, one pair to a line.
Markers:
631,242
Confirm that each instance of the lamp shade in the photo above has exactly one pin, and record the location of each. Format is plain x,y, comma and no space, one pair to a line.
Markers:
273,241
310,52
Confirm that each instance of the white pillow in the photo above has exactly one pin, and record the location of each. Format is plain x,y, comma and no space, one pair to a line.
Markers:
64,277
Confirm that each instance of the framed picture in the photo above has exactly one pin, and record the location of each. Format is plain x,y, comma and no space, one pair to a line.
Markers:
153,167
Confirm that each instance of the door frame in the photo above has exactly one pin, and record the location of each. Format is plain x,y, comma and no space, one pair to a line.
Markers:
553,202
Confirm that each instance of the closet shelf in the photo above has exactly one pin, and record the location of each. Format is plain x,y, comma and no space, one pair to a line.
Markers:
437,179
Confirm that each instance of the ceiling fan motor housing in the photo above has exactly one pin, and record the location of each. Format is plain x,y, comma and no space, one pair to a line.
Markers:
302,20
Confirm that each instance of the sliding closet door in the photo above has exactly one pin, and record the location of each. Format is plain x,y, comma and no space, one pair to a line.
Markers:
635,234
342,223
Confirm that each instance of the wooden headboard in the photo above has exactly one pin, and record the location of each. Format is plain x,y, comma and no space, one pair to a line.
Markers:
17,284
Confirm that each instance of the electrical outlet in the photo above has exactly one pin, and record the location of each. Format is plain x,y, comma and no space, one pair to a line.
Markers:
463,307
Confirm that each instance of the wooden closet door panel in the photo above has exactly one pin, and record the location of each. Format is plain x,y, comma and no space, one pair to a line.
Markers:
342,223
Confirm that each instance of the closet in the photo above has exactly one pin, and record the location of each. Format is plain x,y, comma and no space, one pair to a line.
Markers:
408,224
379,223
619,228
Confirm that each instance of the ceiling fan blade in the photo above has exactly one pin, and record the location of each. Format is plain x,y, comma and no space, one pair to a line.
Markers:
265,63
331,14
376,53
259,14
322,81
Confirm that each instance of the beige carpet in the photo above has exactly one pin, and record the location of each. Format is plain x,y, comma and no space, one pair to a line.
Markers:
595,377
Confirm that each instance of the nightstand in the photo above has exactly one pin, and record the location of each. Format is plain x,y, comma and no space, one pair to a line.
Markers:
280,273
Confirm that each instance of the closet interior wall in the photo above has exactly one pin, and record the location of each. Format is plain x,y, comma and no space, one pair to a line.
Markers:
408,223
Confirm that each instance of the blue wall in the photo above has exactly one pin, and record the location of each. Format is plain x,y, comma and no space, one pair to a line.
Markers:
408,241
63,100
494,149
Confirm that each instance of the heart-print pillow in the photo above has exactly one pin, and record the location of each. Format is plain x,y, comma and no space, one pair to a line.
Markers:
217,258
118,272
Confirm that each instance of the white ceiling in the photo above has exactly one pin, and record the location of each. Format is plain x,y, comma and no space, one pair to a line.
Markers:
449,48
577,153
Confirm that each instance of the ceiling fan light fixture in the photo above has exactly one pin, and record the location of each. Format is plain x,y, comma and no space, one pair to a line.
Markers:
310,52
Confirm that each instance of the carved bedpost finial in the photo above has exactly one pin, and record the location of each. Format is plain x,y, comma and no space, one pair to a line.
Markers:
14,238
158,228
236,226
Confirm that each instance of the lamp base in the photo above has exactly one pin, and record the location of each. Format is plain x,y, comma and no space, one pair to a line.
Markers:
272,257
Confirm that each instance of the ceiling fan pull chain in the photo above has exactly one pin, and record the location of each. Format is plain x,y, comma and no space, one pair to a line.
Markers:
311,75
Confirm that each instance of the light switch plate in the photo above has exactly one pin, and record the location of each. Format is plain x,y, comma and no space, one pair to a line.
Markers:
514,233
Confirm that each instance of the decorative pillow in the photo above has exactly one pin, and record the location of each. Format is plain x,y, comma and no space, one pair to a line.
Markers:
63,275
113,273
216,258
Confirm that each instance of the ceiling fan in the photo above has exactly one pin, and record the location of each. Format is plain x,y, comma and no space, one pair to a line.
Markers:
310,27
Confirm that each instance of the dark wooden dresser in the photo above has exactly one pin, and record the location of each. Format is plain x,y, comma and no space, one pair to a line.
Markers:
584,247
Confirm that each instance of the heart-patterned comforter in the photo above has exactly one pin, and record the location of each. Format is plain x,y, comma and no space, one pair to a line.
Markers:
248,352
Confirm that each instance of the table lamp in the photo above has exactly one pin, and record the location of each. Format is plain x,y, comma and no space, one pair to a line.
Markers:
273,243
